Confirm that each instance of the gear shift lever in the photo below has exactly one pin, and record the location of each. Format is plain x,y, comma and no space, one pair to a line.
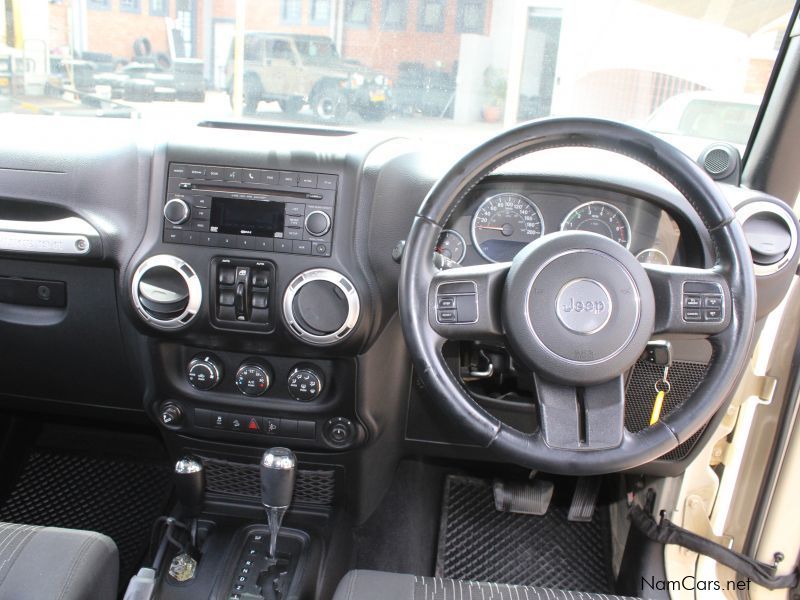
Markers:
190,485
278,470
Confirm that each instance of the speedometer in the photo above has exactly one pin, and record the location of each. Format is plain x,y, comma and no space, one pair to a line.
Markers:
600,217
504,224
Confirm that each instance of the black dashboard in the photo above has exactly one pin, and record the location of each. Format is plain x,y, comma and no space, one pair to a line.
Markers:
237,285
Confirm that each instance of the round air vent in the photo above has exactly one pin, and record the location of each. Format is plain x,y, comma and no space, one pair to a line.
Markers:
166,292
771,233
321,306
721,162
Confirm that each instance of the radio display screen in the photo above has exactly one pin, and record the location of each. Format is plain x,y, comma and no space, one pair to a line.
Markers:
246,217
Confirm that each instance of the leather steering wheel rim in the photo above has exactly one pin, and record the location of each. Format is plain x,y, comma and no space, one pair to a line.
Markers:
733,268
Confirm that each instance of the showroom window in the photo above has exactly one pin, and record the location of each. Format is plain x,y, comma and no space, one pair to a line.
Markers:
320,12
291,11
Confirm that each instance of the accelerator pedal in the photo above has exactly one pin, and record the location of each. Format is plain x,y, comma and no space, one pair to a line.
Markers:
584,499
530,498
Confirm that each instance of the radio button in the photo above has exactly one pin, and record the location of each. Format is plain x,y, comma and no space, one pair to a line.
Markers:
319,249
214,173
327,182
179,170
207,239
251,176
295,210
246,242
308,180
271,177
293,233
200,225
201,202
196,172
190,237
301,247
232,175
282,245
288,178
293,221
226,241
201,214
264,244
173,236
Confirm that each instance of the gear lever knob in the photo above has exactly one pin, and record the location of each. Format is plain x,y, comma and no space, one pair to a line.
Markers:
278,471
190,485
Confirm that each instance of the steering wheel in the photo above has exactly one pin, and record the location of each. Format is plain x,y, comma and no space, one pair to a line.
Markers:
577,310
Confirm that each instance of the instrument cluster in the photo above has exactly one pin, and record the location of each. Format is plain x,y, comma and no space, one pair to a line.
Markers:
502,219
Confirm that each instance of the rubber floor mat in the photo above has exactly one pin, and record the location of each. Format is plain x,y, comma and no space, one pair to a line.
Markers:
117,497
478,543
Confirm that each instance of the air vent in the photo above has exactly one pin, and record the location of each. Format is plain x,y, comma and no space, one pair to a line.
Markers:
771,233
722,162
166,292
321,306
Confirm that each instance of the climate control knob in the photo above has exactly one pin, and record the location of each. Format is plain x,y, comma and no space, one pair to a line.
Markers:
176,211
305,383
204,372
254,377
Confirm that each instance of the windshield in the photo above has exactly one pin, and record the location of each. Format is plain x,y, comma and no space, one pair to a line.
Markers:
693,72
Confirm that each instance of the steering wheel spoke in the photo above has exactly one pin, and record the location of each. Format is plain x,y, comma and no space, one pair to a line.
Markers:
581,418
464,302
689,300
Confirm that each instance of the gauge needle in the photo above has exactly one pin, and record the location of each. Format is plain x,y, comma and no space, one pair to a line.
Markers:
490,227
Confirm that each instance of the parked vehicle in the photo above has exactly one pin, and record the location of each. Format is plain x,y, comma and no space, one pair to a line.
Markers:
296,70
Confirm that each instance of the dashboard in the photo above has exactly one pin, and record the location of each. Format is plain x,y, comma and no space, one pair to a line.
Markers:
501,217
238,286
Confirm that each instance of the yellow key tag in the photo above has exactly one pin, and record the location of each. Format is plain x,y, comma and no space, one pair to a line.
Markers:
656,414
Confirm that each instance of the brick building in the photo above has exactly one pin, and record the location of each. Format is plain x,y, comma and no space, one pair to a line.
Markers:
379,33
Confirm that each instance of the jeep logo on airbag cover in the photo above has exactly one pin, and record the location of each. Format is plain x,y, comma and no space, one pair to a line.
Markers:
583,306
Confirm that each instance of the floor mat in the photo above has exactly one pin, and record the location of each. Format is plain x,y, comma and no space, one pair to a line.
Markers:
478,543
118,497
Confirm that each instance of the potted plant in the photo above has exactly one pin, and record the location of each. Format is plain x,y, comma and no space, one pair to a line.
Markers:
494,84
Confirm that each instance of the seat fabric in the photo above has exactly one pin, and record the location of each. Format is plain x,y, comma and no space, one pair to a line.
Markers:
42,563
372,585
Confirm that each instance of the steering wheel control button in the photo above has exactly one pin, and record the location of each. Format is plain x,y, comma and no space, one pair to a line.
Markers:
584,306
204,372
702,302
253,378
457,302
305,383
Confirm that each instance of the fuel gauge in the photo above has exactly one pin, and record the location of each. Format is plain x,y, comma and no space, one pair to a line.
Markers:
451,245
652,256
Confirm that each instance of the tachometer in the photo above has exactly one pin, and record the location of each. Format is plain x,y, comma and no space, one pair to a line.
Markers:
451,245
600,217
504,224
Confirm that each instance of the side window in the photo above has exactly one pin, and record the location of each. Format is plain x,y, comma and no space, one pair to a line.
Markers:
253,48
280,49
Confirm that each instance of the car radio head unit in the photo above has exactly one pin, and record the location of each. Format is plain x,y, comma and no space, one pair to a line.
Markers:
250,209
258,218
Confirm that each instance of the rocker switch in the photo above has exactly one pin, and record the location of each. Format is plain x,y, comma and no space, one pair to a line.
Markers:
241,302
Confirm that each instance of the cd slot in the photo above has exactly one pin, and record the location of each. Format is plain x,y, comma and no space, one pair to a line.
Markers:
254,193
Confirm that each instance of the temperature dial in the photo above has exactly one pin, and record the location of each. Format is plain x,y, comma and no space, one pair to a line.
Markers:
204,372
305,383
253,378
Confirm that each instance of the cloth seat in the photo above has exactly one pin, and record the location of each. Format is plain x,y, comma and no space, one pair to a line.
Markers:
374,585
43,563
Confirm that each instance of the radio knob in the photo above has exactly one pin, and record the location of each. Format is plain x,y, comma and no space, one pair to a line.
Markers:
176,211
318,223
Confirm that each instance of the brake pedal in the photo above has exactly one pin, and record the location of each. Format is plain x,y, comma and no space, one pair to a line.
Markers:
531,498
584,499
